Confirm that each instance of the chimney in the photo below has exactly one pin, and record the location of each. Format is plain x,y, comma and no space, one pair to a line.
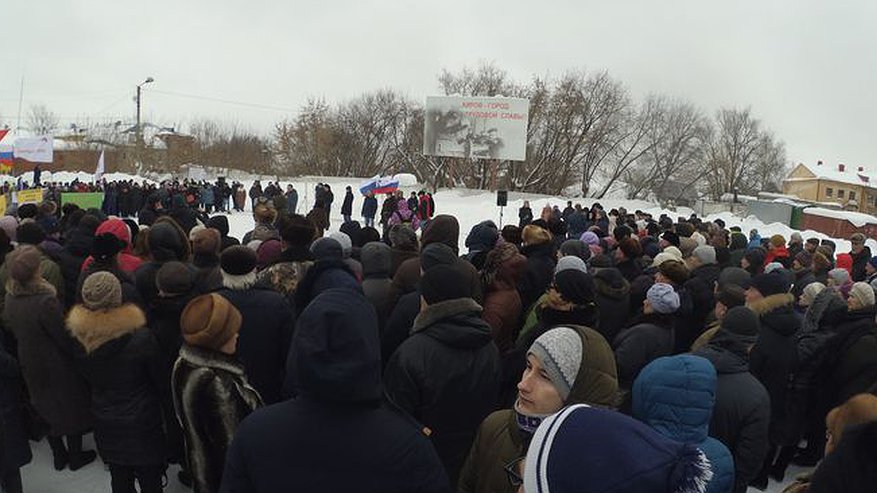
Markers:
818,163
861,169
841,167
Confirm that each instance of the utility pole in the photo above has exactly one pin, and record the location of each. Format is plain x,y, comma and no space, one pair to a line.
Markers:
139,130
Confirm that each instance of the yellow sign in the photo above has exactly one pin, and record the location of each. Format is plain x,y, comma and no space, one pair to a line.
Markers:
32,196
3,204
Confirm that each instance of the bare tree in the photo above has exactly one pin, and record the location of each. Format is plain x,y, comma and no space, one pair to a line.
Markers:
741,155
42,120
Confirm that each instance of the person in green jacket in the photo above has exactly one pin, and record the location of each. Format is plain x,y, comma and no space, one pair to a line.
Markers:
566,365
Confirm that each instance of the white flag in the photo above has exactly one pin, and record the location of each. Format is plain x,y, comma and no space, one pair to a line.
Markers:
99,172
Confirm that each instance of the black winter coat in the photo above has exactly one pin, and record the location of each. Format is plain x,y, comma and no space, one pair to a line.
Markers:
803,277
369,207
701,287
741,416
525,216
613,300
347,205
77,248
124,367
336,435
774,361
649,337
264,338
851,366
14,447
859,263
399,324
850,467
538,275
630,269
447,375
211,397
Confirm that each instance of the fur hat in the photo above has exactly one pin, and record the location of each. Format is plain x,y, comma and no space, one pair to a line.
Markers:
663,298
687,246
534,235
559,351
769,283
174,278
674,270
821,262
209,321
731,295
402,237
101,291
24,263
206,242
733,275
30,233
575,286
106,246
443,283
238,261
705,254
804,258
863,293
777,241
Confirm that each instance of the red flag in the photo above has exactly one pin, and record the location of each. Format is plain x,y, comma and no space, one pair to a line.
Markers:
3,133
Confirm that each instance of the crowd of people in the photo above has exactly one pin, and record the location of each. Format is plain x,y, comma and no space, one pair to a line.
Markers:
579,350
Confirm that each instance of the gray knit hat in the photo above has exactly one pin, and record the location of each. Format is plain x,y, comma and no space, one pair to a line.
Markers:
560,352
570,262
101,291
663,298
706,254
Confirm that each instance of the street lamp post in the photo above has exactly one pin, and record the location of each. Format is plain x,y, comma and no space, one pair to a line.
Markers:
138,129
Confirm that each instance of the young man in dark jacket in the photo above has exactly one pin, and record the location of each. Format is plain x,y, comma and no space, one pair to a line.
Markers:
447,374
369,209
347,205
336,434
741,416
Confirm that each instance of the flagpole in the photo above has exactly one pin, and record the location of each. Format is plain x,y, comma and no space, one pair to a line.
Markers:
20,98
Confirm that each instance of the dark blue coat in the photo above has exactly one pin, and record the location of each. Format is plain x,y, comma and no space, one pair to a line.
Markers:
369,207
14,447
335,435
675,396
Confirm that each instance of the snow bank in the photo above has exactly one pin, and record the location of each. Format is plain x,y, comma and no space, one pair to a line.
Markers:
857,219
406,179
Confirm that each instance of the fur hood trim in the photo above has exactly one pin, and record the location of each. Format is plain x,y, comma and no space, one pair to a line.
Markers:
771,303
238,283
210,359
33,288
444,309
94,328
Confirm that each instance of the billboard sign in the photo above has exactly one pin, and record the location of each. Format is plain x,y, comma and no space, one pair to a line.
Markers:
476,127
34,149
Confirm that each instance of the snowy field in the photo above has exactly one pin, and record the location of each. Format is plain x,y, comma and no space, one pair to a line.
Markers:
469,206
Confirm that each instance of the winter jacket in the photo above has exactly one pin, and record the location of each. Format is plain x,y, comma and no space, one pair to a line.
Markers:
675,396
860,260
14,446
264,337
369,207
123,365
220,223
49,271
211,397
127,262
166,243
398,257
287,272
347,205
701,287
446,376
577,224
404,215
741,416
629,269
851,364
320,217
779,254
292,201
47,355
773,360
525,216
408,275
502,303
376,282
613,300
399,324
649,337
499,439
539,273
336,435
77,248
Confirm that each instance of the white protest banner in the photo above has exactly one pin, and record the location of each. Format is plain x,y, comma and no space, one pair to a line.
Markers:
476,127
34,149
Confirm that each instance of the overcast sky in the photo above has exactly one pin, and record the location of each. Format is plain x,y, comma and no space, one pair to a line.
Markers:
806,67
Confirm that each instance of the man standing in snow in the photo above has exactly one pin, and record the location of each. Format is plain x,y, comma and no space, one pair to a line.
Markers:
291,199
347,205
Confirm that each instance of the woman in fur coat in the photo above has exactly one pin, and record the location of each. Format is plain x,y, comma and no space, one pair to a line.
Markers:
47,355
123,363
211,392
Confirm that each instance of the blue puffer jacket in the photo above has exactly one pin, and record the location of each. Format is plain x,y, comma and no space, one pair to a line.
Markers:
675,396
